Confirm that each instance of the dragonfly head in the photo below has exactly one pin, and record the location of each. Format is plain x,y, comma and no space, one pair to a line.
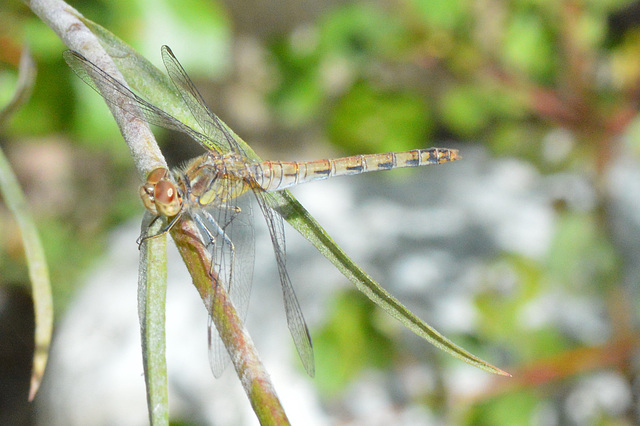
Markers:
160,195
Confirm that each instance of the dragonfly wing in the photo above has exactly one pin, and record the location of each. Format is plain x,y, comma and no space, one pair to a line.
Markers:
214,127
218,355
132,104
229,231
295,318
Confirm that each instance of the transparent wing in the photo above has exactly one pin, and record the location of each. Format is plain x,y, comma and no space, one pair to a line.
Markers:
214,128
229,231
228,228
120,96
295,320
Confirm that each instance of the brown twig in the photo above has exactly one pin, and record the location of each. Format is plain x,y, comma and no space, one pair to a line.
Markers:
244,356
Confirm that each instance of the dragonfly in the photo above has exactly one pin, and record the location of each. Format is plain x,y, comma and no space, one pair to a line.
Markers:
215,191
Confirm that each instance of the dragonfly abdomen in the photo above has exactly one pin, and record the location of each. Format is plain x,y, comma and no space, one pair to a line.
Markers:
277,175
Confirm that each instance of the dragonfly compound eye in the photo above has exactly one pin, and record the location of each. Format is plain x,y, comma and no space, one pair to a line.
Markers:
167,199
157,175
221,175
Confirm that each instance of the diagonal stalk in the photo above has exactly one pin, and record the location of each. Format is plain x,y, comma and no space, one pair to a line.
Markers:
243,354
152,296
70,26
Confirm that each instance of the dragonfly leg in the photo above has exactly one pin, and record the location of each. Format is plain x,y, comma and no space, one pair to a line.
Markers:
142,238
235,211
221,232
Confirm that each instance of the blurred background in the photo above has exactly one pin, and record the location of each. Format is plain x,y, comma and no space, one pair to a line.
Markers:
526,252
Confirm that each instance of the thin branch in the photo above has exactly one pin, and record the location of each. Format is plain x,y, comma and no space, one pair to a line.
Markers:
152,296
67,23
36,261
252,374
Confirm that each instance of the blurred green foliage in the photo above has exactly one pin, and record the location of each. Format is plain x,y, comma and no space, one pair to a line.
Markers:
506,74
512,409
367,120
582,257
349,342
377,76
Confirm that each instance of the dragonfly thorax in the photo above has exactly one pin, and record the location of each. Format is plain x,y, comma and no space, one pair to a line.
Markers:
213,179
225,172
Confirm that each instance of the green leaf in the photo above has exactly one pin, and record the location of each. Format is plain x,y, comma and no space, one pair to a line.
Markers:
250,370
156,87
15,201
152,296
303,222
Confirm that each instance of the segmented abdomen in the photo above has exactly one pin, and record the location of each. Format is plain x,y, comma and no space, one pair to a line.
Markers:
277,175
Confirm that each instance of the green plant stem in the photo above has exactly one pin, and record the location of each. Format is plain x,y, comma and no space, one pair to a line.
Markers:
152,296
69,25
38,271
14,199
249,368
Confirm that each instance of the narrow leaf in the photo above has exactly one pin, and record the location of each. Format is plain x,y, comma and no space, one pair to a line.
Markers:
162,92
304,223
152,294
243,354
36,261
26,80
